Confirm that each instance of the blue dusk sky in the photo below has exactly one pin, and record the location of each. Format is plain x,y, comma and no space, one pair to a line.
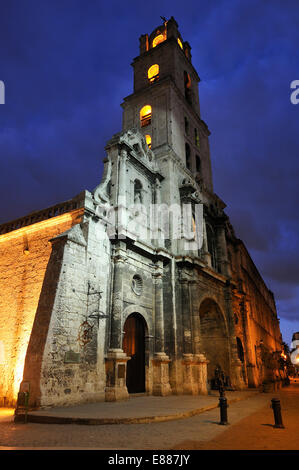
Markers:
66,69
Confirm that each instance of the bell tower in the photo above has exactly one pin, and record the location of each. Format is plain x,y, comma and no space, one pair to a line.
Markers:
165,102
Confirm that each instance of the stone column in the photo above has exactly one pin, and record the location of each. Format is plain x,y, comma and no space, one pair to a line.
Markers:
200,361
186,316
161,361
248,345
202,374
205,250
116,360
158,237
121,197
195,323
157,191
223,262
159,320
190,386
236,364
122,176
117,301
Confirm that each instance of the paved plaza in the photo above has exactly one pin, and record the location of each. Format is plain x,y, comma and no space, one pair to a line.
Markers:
249,414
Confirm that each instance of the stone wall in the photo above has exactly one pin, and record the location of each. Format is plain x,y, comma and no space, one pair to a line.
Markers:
24,257
255,315
65,358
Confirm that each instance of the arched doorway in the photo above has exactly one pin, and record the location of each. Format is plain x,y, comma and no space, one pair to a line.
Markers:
134,346
214,338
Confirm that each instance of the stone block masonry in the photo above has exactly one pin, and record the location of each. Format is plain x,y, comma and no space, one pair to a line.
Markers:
24,257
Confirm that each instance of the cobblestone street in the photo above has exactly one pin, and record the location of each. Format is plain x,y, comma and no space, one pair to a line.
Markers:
251,427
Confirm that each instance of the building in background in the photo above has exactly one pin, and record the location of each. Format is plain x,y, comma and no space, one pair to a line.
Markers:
294,353
92,310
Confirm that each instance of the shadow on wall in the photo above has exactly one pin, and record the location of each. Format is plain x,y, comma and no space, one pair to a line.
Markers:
38,338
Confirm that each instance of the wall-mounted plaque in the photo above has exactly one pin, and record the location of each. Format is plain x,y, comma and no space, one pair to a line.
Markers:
71,357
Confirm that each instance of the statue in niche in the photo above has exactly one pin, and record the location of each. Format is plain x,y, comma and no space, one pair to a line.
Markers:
137,192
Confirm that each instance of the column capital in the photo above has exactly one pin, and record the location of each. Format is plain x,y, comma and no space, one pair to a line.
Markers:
119,255
119,258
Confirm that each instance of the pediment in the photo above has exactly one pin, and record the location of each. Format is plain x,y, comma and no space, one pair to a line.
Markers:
135,140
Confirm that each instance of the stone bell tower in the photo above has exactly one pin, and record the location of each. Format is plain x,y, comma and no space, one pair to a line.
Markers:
162,157
165,102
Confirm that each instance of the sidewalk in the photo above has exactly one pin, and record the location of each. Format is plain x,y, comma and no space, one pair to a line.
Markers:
137,410
256,431
249,414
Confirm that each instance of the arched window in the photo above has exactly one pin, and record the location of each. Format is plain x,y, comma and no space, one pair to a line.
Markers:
212,246
137,192
180,43
198,163
158,39
145,115
188,156
148,140
196,138
153,73
187,84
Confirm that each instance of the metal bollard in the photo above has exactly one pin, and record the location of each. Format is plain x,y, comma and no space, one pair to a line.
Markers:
222,392
275,405
223,410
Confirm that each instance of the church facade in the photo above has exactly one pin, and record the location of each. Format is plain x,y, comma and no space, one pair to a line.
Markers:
140,286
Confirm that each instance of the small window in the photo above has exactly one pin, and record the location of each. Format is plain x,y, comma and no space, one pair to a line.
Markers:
186,126
187,80
198,163
153,73
148,140
196,138
180,43
188,156
145,115
187,85
158,39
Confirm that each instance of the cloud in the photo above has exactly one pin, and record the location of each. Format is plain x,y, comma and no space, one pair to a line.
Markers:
66,72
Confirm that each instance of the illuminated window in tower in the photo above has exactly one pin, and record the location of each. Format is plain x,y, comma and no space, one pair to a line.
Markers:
158,39
145,115
153,73
148,140
180,43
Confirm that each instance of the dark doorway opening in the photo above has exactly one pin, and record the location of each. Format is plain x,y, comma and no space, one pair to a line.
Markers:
134,346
